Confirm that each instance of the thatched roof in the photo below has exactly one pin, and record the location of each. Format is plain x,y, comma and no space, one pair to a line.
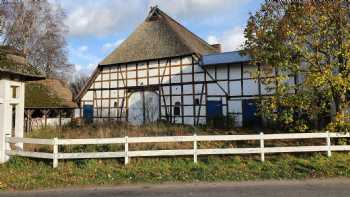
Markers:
49,93
159,36
13,62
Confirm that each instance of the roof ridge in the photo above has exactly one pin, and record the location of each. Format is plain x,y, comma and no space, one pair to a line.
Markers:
151,12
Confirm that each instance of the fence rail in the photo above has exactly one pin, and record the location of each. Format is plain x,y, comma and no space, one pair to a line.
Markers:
194,151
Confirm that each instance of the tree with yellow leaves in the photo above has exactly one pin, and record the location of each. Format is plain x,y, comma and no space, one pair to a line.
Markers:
307,44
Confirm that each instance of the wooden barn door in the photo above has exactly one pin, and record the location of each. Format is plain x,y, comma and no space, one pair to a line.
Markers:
143,107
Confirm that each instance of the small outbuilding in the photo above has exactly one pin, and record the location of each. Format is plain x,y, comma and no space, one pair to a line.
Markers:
48,102
14,72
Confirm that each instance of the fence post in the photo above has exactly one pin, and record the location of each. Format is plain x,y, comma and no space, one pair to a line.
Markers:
7,144
329,153
4,146
126,149
55,153
195,148
262,145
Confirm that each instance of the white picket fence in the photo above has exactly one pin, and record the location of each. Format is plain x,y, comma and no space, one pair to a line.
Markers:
195,151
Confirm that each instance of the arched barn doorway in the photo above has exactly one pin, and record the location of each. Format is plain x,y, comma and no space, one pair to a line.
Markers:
143,107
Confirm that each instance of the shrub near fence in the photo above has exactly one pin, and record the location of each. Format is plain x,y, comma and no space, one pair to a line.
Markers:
194,151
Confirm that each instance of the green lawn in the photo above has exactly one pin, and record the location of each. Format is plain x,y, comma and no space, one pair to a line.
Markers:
28,174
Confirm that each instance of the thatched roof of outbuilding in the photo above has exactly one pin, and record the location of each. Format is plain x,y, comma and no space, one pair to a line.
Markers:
159,36
49,93
13,62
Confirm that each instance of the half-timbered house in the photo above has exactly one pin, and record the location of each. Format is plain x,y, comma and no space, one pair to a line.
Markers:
162,71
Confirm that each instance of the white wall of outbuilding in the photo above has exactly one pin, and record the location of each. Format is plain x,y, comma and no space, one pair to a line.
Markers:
9,103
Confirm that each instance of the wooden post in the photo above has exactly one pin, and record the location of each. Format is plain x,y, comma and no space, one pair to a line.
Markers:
195,159
55,153
29,115
262,145
46,113
60,118
26,121
126,148
143,106
329,152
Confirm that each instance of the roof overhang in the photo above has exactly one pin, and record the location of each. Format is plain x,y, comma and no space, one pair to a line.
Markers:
20,76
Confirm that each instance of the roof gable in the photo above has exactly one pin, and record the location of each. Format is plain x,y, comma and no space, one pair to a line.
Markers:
159,36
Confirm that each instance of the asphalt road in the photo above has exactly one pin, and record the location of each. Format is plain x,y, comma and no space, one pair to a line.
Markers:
310,188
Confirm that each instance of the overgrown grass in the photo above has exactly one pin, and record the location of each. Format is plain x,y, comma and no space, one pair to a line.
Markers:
121,129
107,130
28,174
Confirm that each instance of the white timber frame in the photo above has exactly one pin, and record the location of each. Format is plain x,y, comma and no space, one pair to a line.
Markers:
177,80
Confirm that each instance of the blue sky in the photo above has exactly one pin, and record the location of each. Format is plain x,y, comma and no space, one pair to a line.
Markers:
96,27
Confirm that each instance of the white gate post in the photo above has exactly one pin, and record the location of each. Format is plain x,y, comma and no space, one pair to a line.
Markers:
126,149
55,153
195,148
329,145
262,145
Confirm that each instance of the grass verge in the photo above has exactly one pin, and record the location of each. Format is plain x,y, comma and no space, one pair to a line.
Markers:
28,174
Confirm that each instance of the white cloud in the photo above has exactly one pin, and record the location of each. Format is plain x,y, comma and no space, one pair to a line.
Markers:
78,67
82,54
198,9
100,17
109,46
104,17
212,39
231,40
83,49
